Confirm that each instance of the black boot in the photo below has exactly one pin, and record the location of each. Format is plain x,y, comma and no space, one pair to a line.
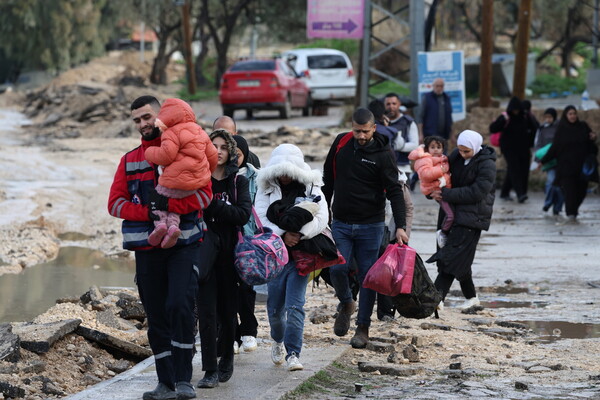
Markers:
161,392
210,380
361,337
225,368
342,322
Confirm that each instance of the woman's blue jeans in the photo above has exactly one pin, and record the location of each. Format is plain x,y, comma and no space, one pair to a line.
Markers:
362,242
285,307
554,196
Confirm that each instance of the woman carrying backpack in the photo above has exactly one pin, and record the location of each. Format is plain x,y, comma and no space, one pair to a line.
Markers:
473,169
228,211
289,193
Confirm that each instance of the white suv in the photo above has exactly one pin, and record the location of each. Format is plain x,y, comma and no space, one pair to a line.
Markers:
328,73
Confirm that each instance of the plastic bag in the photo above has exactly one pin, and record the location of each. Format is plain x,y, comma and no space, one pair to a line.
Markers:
392,273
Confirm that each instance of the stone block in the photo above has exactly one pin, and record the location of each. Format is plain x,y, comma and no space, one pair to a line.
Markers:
9,344
39,338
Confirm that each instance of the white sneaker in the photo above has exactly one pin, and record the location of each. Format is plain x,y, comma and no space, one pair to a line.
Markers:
249,343
440,306
441,238
473,301
236,347
278,353
293,364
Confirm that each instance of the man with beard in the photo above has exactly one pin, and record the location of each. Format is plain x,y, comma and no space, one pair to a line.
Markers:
167,279
359,173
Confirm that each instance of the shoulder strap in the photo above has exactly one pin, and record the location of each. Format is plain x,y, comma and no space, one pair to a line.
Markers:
343,141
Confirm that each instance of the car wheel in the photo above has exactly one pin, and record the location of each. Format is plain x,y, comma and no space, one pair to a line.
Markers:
228,111
249,113
306,110
286,110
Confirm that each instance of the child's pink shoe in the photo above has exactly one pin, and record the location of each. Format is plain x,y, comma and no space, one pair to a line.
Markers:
171,237
157,234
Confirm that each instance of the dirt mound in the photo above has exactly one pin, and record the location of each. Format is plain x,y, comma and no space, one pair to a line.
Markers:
93,99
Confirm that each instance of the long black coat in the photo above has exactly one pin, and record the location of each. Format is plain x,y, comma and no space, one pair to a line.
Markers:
472,192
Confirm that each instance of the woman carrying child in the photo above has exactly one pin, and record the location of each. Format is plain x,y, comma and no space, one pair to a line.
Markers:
289,194
473,169
432,167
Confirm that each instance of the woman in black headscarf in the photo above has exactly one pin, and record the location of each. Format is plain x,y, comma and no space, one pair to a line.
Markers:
573,142
516,140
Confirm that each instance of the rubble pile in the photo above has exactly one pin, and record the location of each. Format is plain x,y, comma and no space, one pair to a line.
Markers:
77,343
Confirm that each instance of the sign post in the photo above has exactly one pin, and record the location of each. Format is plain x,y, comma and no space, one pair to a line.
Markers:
450,66
335,19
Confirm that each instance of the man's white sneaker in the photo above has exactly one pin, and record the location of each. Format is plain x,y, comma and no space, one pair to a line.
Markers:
441,238
249,343
440,306
473,301
277,353
236,347
293,364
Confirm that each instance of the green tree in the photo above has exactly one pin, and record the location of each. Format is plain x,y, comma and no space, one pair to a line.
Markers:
53,35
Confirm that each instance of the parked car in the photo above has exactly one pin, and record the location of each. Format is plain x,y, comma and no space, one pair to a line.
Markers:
263,85
328,73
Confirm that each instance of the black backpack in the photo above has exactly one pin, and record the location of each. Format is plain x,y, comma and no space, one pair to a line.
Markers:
424,297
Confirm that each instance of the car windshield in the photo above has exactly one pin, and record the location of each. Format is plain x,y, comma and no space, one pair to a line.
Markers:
268,65
326,62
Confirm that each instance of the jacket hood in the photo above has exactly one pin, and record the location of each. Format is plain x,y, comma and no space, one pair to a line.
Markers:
418,153
514,104
175,111
231,165
287,160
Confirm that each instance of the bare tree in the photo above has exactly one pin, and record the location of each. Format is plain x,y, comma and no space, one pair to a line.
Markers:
221,19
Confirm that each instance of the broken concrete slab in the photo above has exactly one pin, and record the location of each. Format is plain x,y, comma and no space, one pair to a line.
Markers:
389,370
9,344
128,349
39,338
380,347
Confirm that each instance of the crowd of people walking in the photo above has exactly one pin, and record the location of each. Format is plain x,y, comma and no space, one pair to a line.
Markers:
185,196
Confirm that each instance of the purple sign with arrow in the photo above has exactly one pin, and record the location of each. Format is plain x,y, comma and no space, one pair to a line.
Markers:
335,19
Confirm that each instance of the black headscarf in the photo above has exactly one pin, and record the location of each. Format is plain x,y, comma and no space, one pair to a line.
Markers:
242,144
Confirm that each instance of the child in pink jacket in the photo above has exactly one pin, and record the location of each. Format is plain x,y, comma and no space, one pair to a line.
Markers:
432,167
187,158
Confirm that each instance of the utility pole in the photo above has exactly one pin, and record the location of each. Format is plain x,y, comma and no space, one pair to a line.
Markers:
520,72
187,44
142,32
595,37
487,47
365,55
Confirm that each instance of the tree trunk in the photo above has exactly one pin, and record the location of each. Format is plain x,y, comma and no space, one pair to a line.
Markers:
159,66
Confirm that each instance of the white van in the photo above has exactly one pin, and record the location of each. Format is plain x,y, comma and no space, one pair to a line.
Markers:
328,73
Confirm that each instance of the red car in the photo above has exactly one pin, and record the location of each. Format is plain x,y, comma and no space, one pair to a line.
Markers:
263,85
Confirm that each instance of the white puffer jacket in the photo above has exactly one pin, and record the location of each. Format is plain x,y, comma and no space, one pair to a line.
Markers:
288,160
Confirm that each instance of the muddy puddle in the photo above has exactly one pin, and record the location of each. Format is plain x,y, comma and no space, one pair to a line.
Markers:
32,292
550,331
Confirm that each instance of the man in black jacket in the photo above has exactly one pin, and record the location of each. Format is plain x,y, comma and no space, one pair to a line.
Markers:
359,173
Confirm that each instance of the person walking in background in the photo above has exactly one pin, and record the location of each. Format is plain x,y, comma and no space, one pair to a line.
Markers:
473,169
573,143
186,158
228,211
167,279
247,328
290,202
516,141
359,173
436,112
432,166
407,138
227,123
543,140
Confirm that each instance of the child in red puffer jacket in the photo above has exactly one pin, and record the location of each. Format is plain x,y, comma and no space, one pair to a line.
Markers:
186,157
